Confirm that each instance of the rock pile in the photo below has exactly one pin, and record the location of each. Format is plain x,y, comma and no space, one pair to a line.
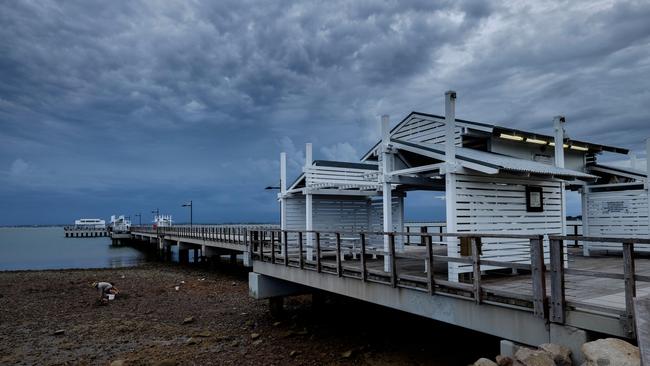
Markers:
608,351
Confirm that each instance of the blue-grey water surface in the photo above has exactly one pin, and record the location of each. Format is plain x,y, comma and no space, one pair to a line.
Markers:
48,248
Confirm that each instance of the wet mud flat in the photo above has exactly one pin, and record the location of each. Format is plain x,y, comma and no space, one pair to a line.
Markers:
54,318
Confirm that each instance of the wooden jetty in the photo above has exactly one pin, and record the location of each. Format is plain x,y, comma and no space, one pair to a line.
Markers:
505,263
530,303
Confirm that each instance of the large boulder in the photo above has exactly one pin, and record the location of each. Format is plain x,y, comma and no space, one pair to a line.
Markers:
504,360
611,352
561,354
484,362
532,357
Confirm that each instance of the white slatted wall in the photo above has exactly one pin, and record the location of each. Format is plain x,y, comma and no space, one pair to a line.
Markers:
489,204
344,214
622,214
425,130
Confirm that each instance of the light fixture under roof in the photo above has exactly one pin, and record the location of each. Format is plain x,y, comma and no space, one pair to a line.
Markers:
511,137
579,148
536,141
553,144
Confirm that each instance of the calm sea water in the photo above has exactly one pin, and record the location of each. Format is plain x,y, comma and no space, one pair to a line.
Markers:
48,248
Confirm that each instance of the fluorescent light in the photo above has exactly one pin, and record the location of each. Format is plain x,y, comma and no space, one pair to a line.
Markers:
536,141
511,137
579,148
553,144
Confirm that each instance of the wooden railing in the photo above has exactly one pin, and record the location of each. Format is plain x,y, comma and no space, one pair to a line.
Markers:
559,304
290,248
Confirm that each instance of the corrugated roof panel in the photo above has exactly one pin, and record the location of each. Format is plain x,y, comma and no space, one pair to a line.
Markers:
510,163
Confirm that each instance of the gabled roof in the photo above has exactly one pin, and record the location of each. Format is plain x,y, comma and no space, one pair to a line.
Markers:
494,130
333,164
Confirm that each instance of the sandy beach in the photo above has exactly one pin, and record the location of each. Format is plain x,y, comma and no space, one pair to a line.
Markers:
53,318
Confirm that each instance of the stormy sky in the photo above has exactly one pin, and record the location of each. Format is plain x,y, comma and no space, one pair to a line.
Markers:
124,107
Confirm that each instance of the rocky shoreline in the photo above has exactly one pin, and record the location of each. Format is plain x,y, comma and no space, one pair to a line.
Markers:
53,318
601,352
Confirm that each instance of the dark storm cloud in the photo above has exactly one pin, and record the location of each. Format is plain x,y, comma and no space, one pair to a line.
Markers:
110,107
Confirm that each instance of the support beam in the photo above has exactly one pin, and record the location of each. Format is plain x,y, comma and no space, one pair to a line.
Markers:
309,213
450,180
386,168
558,126
417,169
584,196
283,192
647,184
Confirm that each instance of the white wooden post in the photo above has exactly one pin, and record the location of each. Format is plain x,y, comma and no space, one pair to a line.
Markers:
450,180
558,126
633,160
309,219
283,192
387,159
647,181
584,195
399,241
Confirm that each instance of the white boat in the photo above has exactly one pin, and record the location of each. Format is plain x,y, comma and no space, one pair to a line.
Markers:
90,224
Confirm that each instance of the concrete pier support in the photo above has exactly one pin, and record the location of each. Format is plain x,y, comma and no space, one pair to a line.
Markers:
265,287
570,337
246,256
233,258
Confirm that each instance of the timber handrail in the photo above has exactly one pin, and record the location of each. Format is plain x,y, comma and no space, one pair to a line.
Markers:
290,248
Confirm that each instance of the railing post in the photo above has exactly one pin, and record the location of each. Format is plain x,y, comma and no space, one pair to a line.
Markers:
301,262
318,264
260,240
557,281
286,248
364,273
630,285
540,301
393,259
575,233
273,247
408,237
339,267
423,230
431,281
476,268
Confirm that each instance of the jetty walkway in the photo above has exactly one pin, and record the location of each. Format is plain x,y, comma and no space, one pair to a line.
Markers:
567,300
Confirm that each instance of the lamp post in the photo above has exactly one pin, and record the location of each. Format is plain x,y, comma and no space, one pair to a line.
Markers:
190,206
156,212
139,216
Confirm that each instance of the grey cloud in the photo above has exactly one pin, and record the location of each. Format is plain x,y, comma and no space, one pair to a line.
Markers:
165,99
